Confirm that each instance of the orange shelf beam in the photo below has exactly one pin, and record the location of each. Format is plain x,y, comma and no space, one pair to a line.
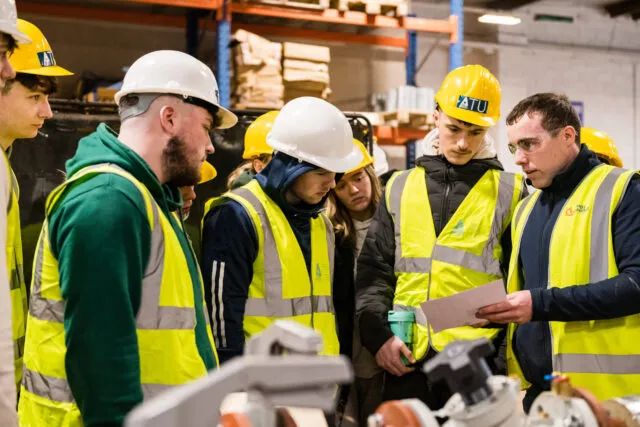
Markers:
330,36
89,13
197,4
334,16
328,15
388,135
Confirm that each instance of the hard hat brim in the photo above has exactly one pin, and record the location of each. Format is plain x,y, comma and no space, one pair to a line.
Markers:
341,165
54,71
207,172
469,117
227,118
20,37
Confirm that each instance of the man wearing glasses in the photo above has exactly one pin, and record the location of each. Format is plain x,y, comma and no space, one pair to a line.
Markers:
574,273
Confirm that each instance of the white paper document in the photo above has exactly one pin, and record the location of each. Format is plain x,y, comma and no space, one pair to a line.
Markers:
460,309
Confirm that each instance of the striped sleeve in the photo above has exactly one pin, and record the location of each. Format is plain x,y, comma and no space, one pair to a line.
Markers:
229,248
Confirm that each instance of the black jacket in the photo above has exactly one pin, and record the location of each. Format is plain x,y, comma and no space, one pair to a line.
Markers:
611,298
344,295
447,186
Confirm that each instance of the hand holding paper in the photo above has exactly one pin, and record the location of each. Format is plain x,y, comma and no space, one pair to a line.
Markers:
460,309
517,308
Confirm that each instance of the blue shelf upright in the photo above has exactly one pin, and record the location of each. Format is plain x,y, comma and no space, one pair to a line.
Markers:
222,54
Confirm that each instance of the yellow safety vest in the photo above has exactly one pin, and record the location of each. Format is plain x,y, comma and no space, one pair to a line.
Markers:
165,322
281,287
600,355
16,274
465,255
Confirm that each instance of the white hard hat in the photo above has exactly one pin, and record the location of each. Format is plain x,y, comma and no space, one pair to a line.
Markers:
312,130
173,72
8,21
380,163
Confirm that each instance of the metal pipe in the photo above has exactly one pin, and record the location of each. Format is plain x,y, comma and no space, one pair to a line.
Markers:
223,74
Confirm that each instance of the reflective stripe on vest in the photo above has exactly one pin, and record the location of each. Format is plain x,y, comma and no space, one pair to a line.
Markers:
275,305
152,314
17,286
485,263
600,355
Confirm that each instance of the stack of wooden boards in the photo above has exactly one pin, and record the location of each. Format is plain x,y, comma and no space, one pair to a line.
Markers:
305,71
257,81
268,74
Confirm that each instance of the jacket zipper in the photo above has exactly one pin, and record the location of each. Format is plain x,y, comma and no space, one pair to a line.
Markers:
445,201
443,213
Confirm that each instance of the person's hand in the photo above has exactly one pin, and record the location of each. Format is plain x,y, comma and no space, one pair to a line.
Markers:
516,308
388,357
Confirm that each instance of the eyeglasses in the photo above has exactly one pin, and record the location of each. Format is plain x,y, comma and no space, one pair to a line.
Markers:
530,145
526,145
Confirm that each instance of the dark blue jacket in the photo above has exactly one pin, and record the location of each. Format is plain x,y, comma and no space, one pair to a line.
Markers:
230,246
611,298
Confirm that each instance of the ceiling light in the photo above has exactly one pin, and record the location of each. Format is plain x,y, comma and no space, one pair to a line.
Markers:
489,18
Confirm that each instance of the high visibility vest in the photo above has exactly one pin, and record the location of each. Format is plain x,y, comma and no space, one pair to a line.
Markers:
600,355
165,322
281,286
16,274
466,254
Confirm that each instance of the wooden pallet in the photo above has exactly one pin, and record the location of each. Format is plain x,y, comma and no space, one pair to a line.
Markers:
404,118
298,4
373,7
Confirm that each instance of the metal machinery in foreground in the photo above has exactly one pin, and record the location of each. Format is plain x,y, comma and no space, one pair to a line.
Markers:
485,400
281,368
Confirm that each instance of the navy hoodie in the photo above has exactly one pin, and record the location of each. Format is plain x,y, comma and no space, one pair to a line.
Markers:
230,246
611,298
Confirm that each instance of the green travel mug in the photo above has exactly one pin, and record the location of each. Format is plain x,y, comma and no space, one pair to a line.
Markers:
401,323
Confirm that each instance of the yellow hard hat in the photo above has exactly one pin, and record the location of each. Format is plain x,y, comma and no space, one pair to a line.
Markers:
601,144
470,94
366,160
255,139
35,57
207,172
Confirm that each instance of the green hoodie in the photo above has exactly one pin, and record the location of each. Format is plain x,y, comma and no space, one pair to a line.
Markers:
100,235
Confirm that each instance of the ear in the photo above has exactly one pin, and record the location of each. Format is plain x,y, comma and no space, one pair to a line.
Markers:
168,122
569,135
436,117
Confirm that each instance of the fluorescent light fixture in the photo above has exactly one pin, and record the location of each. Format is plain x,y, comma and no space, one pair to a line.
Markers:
489,18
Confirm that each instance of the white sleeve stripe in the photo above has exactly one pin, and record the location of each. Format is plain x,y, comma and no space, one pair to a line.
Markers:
223,335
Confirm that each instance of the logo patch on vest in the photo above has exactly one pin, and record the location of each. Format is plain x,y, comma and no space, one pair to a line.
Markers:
46,58
459,228
472,104
318,271
570,211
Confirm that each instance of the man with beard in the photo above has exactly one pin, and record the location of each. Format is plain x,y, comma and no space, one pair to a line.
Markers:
117,313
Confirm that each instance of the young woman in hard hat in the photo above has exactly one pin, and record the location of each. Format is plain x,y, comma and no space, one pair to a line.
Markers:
442,229
257,153
601,144
10,36
268,247
351,207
